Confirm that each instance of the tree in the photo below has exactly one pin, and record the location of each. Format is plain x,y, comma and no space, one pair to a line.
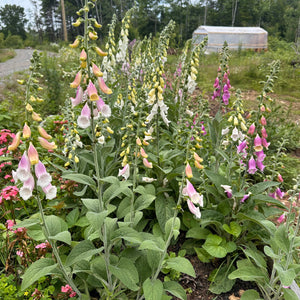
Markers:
12,20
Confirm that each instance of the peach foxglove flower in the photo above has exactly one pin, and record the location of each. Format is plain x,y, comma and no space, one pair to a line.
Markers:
93,36
76,81
143,153
100,52
85,116
29,107
193,209
75,44
15,143
26,190
50,191
43,133
198,165
147,164
44,178
125,172
92,92
33,154
96,71
23,171
26,131
104,88
47,145
78,98
252,166
36,117
138,142
83,55
188,171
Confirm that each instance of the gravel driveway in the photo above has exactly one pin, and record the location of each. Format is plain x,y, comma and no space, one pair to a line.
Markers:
20,62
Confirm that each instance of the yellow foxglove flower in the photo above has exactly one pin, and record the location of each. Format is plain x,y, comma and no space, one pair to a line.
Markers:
235,121
15,143
32,99
46,145
76,159
29,107
39,100
243,126
33,155
26,131
100,52
93,36
198,165
109,130
138,142
36,117
97,25
78,22
43,133
145,143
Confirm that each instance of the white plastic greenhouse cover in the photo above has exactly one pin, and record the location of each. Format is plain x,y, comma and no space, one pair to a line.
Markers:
236,37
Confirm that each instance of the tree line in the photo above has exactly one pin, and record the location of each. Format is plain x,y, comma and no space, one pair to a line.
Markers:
281,18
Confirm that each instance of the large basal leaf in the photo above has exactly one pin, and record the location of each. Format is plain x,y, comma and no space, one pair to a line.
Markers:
72,217
175,289
82,251
267,199
80,178
213,247
281,239
234,228
153,290
126,272
38,269
181,264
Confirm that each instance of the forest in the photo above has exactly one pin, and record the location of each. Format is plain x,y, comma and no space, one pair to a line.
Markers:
281,18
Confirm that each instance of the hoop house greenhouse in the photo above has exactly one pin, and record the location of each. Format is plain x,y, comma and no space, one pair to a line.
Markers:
254,38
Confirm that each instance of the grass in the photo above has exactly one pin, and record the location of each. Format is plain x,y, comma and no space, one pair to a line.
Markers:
6,54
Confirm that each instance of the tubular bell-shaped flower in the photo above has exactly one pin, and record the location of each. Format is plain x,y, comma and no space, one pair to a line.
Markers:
193,209
15,143
76,81
104,88
92,92
50,191
23,171
191,192
252,166
85,117
188,171
27,188
78,98
44,178
147,164
125,172
103,108
47,145
43,133
96,71
26,131
33,154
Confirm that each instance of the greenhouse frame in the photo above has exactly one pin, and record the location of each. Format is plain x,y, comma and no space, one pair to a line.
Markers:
254,38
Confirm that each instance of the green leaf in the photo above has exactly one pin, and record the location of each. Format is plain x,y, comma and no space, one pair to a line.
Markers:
181,264
82,251
212,246
203,255
267,199
150,245
72,217
261,187
290,295
175,289
176,227
128,234
286,276
164,209
97,219
55,225
247,271
143,201
234,228
64,236
153,290
250,295
91,204
197,233
257,257
27,223
126,272
218,180
281,239
80,178
220,282
38,269
269,252
81,193
36,232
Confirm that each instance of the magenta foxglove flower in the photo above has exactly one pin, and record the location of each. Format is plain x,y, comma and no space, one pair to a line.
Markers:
203,130
264,133
78,98
279,178
252,166
260,156
50,191
125,172
85,117
27,188
260,165
245,197
281,218
265,143
217,84
226,94
227,189
193,209
242,146
23,171
193,194
251,129
44,178
279,193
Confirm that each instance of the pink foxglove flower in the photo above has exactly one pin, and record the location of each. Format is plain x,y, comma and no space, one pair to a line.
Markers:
103,108
242,146
147,164
226,94
83,55
23,171
92,92
279,178
85,117
50,191
251,129
263,121
27,188
281,218
252,166
245,197
279,193
260,165
260,156
227,189
33,154
264,133
265,143
78,98
217,84
191,192
125,172
193,209
44,178
258,143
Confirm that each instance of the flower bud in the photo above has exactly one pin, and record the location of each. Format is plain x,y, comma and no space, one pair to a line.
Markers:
33,155
26,131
